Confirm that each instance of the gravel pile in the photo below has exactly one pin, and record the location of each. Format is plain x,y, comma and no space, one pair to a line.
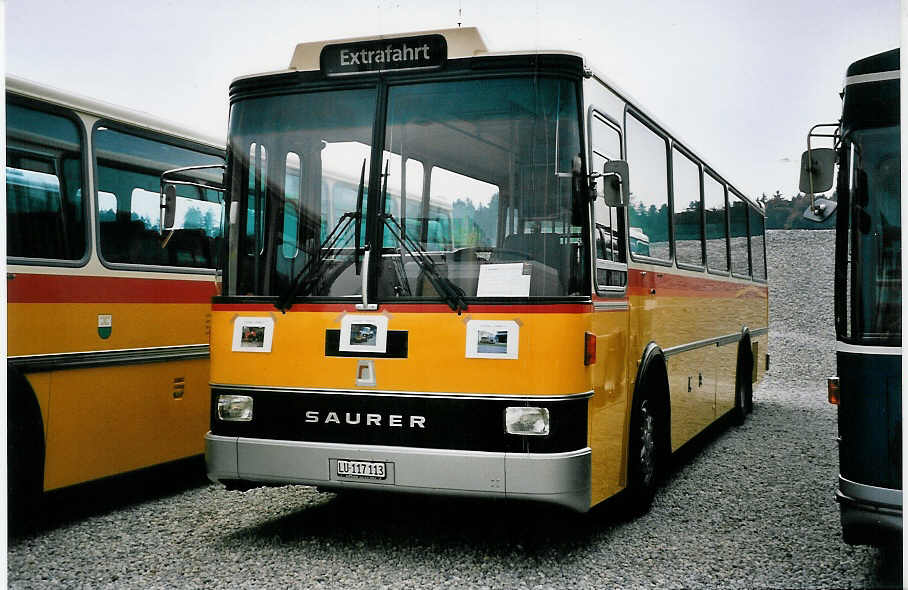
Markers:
753,508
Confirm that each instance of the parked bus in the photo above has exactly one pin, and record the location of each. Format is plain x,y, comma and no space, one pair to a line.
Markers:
605,359
107,330
868,294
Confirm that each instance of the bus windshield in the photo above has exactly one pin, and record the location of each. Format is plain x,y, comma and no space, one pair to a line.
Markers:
475,173
486,165
875,275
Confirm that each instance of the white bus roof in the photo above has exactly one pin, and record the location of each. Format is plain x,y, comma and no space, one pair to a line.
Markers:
90,106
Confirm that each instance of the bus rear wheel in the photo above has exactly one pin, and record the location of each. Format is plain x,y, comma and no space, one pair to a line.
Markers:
744,397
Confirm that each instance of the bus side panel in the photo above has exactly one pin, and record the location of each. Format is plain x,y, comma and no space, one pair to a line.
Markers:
109,420
104,420
53,328
609,405
693,394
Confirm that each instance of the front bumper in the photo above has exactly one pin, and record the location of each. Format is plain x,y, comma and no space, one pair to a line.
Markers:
557,478
870,515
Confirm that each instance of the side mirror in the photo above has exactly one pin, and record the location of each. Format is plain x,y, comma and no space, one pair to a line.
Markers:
616,184
816,170
168,206
820,210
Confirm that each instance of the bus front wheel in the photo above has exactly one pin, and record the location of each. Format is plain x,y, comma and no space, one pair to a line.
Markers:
644,454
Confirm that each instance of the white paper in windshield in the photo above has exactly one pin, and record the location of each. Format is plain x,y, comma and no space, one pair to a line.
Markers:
504,280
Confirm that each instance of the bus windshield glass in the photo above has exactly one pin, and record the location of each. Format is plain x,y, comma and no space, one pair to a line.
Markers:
296,164
875,273
476,176
486,167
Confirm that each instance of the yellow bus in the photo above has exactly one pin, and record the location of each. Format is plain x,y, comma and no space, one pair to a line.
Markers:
538,356
107,331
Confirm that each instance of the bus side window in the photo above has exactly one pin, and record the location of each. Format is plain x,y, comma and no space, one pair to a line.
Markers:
45,214
611,269
757,252
716,238
648,210
129,168
687,219
737,222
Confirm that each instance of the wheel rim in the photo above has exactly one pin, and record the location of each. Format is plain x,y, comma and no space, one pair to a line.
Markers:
647,444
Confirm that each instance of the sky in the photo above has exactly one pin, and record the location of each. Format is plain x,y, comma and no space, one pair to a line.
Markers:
739,81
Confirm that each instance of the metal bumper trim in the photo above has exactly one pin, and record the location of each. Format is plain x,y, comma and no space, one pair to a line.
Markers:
869,506
557,478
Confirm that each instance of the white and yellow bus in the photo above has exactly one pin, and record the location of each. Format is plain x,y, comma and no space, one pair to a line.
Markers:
107,330
536,355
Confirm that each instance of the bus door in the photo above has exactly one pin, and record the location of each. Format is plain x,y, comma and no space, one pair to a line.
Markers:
610,322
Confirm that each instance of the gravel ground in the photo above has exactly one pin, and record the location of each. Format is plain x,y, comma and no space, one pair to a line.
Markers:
752,508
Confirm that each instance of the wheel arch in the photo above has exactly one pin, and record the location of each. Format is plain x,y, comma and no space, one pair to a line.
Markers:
652,380
22,404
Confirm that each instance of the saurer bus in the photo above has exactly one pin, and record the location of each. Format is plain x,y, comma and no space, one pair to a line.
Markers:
107,331
868,294
534,354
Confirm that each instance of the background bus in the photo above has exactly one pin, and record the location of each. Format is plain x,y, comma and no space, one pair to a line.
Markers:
536,355
107,331
868,295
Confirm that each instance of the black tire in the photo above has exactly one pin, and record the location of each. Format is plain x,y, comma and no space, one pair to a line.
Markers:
644,456
25,457
744,396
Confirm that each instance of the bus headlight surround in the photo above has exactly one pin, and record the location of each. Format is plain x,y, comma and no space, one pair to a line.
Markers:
235,408
527,421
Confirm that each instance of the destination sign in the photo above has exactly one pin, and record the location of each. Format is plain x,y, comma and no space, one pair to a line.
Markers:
384,55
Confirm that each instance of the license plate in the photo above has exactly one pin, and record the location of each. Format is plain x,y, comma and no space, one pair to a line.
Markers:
361,469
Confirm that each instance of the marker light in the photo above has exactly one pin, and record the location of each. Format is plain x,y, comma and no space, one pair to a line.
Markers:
527,421
235,408
589,349
832,390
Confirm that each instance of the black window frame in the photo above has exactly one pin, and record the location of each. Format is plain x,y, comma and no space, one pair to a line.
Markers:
747,206
700,168
132,129
646,122
607,290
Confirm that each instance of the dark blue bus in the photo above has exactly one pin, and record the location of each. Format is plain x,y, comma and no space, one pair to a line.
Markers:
868,294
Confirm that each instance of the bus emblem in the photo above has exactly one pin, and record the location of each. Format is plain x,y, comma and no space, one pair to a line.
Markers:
105,325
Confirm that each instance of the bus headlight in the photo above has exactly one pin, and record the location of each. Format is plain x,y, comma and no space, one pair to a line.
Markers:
527,421
235,408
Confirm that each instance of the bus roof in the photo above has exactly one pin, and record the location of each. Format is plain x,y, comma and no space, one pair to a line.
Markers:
35,90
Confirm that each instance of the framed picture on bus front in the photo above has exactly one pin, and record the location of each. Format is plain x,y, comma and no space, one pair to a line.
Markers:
492,340
364,333
253,334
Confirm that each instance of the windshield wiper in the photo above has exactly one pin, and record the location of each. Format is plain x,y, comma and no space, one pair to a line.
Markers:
450,292
306,277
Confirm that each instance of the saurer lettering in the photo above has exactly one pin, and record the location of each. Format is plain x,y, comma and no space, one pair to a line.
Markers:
361,419
387,55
